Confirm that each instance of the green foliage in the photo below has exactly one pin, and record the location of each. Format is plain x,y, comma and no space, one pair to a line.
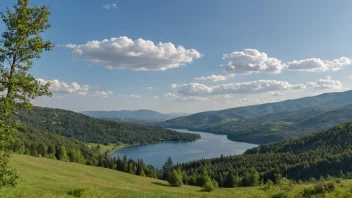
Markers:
167,167
272,122
210,185
20,44
78,192
87,129
175,178
285,184
307,158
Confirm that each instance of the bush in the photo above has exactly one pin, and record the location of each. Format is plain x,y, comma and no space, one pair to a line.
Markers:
321,188
76,192
210,185
338,181
269,185
280,195
175,178
285,184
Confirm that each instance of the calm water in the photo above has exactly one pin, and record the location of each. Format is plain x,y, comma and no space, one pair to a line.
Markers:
209,146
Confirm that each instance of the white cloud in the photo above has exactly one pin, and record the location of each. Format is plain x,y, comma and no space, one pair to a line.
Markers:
66,88
169,95
316,64
327,83
155,97
191,99
194,89
152,88
130,96
251,87
274,93
251,61
174,85
103,93
139,55
213,78
110,6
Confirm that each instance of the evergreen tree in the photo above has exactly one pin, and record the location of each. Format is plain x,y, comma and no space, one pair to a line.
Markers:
167,168
20,43
175,178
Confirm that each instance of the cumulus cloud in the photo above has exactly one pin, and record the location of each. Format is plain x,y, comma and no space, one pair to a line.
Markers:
110,6
130,96
152,88
64,87
103,93
174,86
169,95
327,83
251,87
316,64
138,55
213,78
191,99
274,93
251,61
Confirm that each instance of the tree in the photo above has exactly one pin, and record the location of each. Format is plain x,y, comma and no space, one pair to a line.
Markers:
167,168
175,178
61,154
19,45
210,185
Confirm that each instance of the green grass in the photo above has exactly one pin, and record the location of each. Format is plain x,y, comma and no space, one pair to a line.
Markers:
109,148
43,177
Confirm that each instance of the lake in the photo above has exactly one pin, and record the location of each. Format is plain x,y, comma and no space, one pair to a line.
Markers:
211,145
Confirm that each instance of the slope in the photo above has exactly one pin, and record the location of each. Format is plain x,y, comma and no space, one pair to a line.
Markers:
322,154
326,101
43,177
87,129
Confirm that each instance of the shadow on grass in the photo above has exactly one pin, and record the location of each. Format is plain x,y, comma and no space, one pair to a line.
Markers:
161,184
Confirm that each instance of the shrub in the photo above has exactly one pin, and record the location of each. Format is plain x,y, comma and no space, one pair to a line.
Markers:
175,178
285,184
338,181
269,185
280,195
76,192
210,185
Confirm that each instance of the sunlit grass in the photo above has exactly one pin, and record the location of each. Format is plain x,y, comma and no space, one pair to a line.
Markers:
43,177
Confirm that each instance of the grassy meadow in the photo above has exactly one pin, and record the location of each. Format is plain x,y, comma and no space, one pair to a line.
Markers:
43,177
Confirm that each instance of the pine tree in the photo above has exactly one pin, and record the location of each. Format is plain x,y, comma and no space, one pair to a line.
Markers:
20,44
167,168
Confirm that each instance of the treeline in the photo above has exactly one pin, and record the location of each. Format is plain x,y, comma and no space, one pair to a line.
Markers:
92,130
320,155
35,143
272,127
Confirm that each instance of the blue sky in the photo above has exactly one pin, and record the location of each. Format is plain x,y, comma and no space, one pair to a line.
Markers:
294,49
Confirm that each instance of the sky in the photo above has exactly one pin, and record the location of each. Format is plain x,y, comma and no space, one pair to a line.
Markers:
192,56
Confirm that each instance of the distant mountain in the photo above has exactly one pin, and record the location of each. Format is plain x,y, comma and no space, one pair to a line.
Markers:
273,121
138,116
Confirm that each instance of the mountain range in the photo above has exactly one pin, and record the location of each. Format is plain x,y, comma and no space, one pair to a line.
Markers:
142,116
272,122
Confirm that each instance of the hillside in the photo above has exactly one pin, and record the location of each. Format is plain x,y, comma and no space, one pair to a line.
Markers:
88,129
138,116
323,154
273,121
43,177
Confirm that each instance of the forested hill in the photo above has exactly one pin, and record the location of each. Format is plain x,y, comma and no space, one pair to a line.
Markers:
337,137
81,127
323,154
283,120
327,101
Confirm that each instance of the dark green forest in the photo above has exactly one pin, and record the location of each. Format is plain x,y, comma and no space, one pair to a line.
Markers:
93,130
323,154
272,122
